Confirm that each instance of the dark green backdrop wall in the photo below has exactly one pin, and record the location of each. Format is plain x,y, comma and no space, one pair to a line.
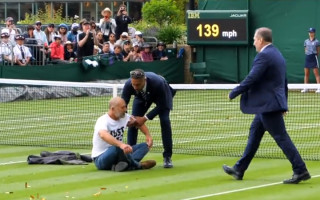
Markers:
289,21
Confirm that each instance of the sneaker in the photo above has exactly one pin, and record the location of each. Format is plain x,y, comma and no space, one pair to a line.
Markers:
232,172
120,166
167,162
148,164
318,90
304,90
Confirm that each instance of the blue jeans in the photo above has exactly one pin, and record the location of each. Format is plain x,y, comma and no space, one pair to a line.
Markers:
114,155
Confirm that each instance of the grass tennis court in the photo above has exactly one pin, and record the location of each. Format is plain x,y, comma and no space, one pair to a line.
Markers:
208,131
192,177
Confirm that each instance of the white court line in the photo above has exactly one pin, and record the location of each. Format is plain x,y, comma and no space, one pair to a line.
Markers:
240,190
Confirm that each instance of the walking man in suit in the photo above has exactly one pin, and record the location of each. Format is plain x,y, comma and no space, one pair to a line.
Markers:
264,93
148,88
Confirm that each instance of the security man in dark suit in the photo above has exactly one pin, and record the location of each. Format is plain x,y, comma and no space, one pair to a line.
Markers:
264,93
148,88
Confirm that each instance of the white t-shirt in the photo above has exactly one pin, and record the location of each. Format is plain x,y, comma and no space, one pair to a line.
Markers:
115,128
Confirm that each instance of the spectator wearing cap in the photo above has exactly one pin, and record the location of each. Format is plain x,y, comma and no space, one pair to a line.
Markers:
86,43
50,33
11,30
6,53
107,24
135,55
57,50
138,38
122,21
73,34
39,34
160,52
124,37
21,53
62,31
69,53
146,54
311,49
126,50
118,53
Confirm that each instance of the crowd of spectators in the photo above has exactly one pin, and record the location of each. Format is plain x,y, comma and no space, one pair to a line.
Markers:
65,44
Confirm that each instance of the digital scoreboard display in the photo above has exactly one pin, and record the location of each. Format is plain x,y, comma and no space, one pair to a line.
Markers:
206,27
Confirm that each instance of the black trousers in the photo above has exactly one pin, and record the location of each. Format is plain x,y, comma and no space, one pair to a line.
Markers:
274,124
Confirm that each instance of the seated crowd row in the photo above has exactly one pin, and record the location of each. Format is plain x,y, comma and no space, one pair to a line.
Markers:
83,39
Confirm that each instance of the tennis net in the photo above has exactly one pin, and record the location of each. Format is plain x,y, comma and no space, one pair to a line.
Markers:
63,115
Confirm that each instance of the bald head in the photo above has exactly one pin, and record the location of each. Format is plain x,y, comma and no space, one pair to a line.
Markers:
115,101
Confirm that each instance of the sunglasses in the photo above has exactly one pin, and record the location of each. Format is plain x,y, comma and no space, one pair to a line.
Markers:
136,74
111,36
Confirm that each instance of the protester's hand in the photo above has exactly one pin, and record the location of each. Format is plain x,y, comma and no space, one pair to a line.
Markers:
149,141
126,148
132,122
140,120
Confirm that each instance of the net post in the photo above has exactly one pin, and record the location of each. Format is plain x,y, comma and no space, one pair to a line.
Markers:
115,90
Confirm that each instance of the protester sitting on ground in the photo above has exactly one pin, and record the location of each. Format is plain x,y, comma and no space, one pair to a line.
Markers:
146,54
11,30
109,152
50,33
138,38
62,31
118,53
107,24
57,51
21,53
5,48
126,50
124,37
72,35
69,54
112,41
160,52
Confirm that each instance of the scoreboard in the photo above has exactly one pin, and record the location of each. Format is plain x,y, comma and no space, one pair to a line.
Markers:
207,27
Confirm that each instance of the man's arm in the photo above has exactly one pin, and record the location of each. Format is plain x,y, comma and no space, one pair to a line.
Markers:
144,129
84,39
257,71
107,137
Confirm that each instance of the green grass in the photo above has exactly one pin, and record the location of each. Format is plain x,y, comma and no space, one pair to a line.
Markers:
192,176
203,122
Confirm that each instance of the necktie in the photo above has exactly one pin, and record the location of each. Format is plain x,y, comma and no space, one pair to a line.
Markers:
143,94
22,53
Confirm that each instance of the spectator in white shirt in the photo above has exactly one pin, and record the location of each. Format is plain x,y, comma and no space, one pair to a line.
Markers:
39,34
21,53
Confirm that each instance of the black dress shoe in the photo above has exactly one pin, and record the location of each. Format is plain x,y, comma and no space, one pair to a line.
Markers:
120,166
297,178
231,171
167,162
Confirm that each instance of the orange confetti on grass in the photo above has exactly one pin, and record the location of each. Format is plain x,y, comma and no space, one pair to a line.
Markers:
31,197
103,188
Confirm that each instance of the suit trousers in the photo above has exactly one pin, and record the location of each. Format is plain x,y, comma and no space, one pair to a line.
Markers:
139,108
272,122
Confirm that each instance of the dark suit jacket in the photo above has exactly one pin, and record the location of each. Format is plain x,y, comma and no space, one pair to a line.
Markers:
265,88
158,91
